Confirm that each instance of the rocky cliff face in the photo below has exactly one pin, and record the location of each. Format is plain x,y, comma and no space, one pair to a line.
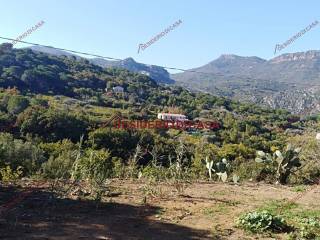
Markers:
288,57
288,81
305,101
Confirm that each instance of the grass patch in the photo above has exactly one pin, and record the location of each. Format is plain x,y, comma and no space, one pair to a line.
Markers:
300,188
219,193
216,209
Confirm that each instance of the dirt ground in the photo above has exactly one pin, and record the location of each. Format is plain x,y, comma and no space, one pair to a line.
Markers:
137,210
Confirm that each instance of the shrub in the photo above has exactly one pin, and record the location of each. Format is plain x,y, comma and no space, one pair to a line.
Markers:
15,153
61,157
17,104
7,174
93,165
119,141
57,168
310,154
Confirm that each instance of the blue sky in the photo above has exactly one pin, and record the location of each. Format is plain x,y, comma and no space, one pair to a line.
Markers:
209,28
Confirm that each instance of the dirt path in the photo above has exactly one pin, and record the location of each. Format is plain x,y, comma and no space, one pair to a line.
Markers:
144,211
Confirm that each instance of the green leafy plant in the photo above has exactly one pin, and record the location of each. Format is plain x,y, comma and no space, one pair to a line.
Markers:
260,221
309,228
305,223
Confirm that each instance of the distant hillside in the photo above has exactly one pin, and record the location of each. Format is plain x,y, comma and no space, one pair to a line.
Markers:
159,74
287,81
302,67
289,77
38,72
33,72
53,51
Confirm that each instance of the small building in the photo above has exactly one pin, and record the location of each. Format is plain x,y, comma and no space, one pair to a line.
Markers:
118,89
145,73
318,136
172,116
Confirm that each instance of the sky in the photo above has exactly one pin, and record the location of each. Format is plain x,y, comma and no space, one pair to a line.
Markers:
209,28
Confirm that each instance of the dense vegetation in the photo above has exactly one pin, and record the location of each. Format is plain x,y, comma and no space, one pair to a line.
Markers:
52,110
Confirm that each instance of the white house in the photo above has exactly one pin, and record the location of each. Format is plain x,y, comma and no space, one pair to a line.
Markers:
145,73
118,89
318,136
172,116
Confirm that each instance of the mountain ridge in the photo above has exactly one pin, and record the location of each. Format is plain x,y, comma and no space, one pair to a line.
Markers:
159,74
261,81
244,78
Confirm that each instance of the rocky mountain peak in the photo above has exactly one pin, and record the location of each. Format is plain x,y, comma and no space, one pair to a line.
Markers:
288,57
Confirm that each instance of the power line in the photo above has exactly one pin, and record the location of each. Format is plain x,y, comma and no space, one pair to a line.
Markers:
104,57
119,59
62,49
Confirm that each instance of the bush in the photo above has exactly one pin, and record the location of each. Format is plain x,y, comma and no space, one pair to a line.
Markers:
94,165
310,154
7,174
17,104
6,121
62,156
17,153
119,141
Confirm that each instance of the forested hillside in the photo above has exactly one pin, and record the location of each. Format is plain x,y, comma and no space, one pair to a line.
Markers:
52,106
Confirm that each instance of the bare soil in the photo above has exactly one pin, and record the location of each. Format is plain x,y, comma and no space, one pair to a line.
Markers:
138,210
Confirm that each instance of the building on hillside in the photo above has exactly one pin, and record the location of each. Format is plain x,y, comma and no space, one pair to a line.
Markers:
318,136
172,116
118,89
145,73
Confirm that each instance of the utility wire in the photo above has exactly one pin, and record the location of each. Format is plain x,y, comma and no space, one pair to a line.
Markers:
104,57
62,49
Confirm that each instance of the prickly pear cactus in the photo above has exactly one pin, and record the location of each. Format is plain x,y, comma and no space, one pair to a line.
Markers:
235,179
221,169
209,166
263,157
287,161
